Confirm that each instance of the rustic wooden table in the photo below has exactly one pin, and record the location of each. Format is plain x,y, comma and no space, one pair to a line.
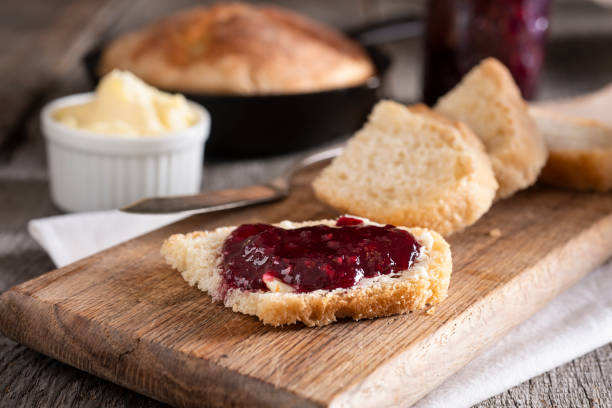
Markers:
40,59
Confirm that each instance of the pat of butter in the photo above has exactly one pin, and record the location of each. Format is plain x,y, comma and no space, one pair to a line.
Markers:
275,284
125,106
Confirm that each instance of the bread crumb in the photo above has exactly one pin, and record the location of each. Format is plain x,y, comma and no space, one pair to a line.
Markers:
495,233
430,311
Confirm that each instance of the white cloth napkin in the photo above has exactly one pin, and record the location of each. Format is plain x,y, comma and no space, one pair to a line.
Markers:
573,324
68,238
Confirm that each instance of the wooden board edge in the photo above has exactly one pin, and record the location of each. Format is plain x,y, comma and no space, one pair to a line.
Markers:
142,366
410,376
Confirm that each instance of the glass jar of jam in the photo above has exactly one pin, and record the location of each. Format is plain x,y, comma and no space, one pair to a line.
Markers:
460,33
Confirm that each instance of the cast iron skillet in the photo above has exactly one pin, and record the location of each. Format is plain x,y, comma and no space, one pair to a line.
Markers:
257,125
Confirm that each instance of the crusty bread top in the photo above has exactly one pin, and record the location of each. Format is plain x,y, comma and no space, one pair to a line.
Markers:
489,102
409,166
240,49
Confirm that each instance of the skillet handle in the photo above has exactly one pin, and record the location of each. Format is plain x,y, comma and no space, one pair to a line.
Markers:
393,29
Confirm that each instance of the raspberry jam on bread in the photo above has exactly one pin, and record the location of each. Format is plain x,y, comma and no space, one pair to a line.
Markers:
314,257
272,271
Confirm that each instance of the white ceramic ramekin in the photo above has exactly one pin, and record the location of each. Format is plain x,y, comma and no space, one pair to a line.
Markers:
89,171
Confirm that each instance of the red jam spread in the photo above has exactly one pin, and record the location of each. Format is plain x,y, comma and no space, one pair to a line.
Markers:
317,257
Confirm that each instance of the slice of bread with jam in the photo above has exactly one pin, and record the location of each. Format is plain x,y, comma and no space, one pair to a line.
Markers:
204,260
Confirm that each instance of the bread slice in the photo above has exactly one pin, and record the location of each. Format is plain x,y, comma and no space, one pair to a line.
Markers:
411,167
580,149
489,102
198,255
594,106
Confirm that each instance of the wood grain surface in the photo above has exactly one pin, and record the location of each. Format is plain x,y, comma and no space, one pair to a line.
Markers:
125,316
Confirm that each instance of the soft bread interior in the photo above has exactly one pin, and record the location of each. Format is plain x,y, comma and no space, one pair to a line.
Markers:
568,132
489,102
580,150
477,103
594,106
407,161
410,166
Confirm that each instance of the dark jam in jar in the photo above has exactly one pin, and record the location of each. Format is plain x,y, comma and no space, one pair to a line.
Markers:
317,257
461,33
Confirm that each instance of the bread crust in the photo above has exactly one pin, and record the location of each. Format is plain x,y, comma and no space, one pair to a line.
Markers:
580,150
584,170
197,256
489,102
239,49
446,210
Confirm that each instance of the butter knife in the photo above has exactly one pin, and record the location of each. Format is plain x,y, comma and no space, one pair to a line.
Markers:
273,190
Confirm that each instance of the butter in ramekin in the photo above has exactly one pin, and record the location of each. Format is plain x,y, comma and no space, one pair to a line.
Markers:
124,105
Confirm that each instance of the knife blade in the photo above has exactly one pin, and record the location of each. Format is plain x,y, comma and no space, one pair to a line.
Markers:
273,190
209,201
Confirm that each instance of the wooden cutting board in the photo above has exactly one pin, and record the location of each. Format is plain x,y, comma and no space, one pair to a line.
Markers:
125,316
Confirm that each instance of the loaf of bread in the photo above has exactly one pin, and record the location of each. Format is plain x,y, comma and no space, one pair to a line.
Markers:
411,167
239,49
489,102
198,255
578,133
